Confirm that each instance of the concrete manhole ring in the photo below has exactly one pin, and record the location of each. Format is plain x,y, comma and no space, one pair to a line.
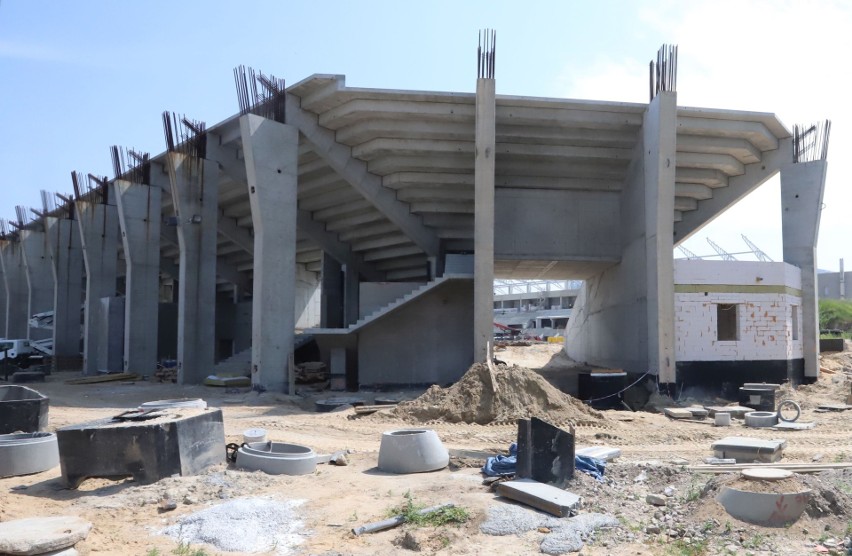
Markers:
761,419
277,458
412,451
790,405
26,453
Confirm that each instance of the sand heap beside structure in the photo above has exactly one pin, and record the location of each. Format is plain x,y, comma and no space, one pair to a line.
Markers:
521,393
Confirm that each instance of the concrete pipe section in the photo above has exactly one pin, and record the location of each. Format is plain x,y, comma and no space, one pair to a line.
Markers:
181,403
759,419
788,405
277,458
25,453
412,451
765,509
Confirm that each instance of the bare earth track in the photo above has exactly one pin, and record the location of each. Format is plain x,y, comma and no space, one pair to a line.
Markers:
126,516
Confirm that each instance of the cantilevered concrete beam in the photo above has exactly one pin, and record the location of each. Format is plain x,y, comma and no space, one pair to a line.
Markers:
194,189
14,321
802,187
271,159
738,187
328,241
66,262
98,224
139,217
354,171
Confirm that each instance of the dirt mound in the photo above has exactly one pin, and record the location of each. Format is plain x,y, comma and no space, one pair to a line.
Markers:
521,393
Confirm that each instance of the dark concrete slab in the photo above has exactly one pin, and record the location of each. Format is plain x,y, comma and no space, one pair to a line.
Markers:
184,441
22,409
545,452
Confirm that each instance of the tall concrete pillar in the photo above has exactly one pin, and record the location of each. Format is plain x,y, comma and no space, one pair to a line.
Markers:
194,187
139,209
271,152
483,274
39,279
331,300
802,187
13,321
66,263
351,295
3,294
98,224
659,135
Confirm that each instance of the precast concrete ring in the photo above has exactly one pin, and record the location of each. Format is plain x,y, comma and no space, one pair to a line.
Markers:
789,404
277,458
181,403
412,451
761,419
766,509
26,453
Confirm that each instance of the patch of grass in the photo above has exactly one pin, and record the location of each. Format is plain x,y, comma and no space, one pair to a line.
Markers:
682,548
410,511
754,541
840,457
153,552
693,493
835,314
707,526
184,549
848,531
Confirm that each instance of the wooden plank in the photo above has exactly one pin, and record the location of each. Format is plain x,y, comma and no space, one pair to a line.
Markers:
365,409
543,497
103,378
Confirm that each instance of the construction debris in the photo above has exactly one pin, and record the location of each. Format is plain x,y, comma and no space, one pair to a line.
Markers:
744,449
103,378
40,535
547,498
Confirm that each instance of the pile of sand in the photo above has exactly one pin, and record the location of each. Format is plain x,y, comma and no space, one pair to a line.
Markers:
521,393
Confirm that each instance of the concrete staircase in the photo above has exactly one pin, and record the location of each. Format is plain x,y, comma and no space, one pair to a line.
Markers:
238,364
400,301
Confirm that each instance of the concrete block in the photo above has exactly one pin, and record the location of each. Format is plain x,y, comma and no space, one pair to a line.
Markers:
746,450
40,535
605,453
22,409
183,441
543,497
545,452
677,413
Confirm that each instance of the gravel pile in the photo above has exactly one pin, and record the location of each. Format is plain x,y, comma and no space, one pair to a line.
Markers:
243,525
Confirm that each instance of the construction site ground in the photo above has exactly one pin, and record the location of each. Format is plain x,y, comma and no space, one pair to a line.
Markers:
655,450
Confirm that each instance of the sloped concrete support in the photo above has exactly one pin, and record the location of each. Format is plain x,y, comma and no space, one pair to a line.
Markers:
139,219
194,187
14,318
66,261
271,156
39,279
802,188
98,224
484,165
624,316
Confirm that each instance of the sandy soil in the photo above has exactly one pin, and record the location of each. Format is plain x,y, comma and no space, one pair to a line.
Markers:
126,517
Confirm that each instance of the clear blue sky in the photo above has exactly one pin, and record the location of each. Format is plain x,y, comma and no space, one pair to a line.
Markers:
77,77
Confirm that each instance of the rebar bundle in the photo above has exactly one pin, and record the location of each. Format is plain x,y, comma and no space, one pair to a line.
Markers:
486,54
259,94
663,72
130,165
810,142
91,188
184,135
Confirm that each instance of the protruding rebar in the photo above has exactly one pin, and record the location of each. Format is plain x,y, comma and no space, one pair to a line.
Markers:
663,72
810,142
486,54
267,100
184,135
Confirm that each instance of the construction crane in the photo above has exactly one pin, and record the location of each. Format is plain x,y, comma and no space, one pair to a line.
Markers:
687,253
761,256
722,253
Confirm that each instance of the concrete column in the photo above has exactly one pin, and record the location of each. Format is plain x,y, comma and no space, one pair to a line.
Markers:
14,318
659,134
802,187
139,208
331,300
271,153
66,262
194,186
351,295
3,293
483,275
39,279
98,224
